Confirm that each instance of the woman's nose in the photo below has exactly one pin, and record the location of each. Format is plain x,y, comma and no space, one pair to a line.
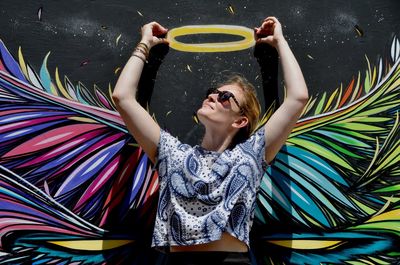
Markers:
212,97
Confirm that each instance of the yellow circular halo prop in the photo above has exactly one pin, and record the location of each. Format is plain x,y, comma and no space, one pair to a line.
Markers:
230,46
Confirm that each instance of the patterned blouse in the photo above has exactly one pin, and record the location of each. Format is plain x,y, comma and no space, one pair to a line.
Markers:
204,193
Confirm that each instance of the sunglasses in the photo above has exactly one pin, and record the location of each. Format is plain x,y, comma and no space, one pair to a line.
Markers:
223,96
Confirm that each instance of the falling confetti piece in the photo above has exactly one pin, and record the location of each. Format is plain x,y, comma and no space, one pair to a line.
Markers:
257,77
85,62
309,56
117,70
359,31
140,14
196,120
117,40
103,27
169,112
189,68
39,13
231,9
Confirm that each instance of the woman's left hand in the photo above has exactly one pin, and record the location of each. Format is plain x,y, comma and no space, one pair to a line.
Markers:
269,32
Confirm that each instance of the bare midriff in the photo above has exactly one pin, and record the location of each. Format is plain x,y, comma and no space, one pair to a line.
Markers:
226,243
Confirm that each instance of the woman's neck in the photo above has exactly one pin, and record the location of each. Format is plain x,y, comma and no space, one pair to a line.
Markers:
216,141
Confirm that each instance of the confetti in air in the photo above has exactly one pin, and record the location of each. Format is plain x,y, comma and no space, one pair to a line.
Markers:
359,31
231,9
196,120
117,40
309,56
140,14
116,71
39,13
83,63
189,68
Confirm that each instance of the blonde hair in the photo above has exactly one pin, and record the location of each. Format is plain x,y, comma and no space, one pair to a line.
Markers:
250,107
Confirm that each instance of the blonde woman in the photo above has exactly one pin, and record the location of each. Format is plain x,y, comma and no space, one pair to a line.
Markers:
208,192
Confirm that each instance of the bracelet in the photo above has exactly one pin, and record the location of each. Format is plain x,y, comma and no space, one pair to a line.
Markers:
144,45
145,49
140,49
143,60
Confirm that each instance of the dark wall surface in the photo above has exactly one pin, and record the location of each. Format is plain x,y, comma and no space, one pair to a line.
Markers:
322,34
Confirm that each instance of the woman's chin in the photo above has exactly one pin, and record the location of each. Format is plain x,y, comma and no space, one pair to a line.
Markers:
202,115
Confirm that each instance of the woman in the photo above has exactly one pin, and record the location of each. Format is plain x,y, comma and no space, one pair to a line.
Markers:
208,192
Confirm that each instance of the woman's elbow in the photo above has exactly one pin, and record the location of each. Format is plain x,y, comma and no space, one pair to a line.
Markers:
116,96
303,96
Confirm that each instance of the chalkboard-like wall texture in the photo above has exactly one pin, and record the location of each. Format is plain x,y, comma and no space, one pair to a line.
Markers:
76,189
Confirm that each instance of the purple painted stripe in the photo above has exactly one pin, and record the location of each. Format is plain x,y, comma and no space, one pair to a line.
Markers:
89,168
138,178
52,164
11,64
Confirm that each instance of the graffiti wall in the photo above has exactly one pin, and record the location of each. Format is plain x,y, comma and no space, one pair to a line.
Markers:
75,188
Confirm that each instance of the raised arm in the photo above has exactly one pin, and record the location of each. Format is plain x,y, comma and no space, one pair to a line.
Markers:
139,122
285,117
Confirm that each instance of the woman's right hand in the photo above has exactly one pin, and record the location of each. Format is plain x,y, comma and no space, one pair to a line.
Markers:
151,34
269,32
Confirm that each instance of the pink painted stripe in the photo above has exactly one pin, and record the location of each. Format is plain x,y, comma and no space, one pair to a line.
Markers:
52,137
22,124
93,148
63,148
14,111
96,185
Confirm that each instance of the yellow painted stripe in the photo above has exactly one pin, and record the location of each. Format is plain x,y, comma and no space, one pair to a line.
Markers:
306,244
61,87
82,119
391,215
91,245
244,32
22,63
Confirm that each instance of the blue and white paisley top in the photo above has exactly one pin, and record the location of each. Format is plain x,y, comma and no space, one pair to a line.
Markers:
204,193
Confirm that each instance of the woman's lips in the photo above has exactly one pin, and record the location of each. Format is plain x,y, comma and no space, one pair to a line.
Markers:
208,105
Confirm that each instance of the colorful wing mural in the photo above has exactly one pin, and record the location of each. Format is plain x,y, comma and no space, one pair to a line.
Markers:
76,189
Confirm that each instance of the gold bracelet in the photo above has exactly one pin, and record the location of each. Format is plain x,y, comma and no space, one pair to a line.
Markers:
144,45
143,60
146,50
140,49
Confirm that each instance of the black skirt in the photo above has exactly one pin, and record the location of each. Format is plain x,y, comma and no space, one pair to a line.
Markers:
208,258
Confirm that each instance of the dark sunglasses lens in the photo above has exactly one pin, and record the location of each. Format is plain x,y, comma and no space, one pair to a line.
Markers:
224,96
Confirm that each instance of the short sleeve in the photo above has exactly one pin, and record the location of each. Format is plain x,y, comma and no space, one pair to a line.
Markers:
166,144
169,151
256,143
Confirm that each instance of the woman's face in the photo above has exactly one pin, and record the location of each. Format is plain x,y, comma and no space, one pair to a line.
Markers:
222,111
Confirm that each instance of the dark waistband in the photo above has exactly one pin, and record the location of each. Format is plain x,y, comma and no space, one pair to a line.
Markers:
208,257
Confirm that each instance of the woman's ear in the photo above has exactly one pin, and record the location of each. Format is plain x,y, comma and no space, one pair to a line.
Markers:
240,122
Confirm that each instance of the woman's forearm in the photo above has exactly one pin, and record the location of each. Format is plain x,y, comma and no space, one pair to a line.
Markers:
293,77
128,81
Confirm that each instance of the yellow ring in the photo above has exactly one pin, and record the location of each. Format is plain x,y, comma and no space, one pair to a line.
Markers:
246,43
